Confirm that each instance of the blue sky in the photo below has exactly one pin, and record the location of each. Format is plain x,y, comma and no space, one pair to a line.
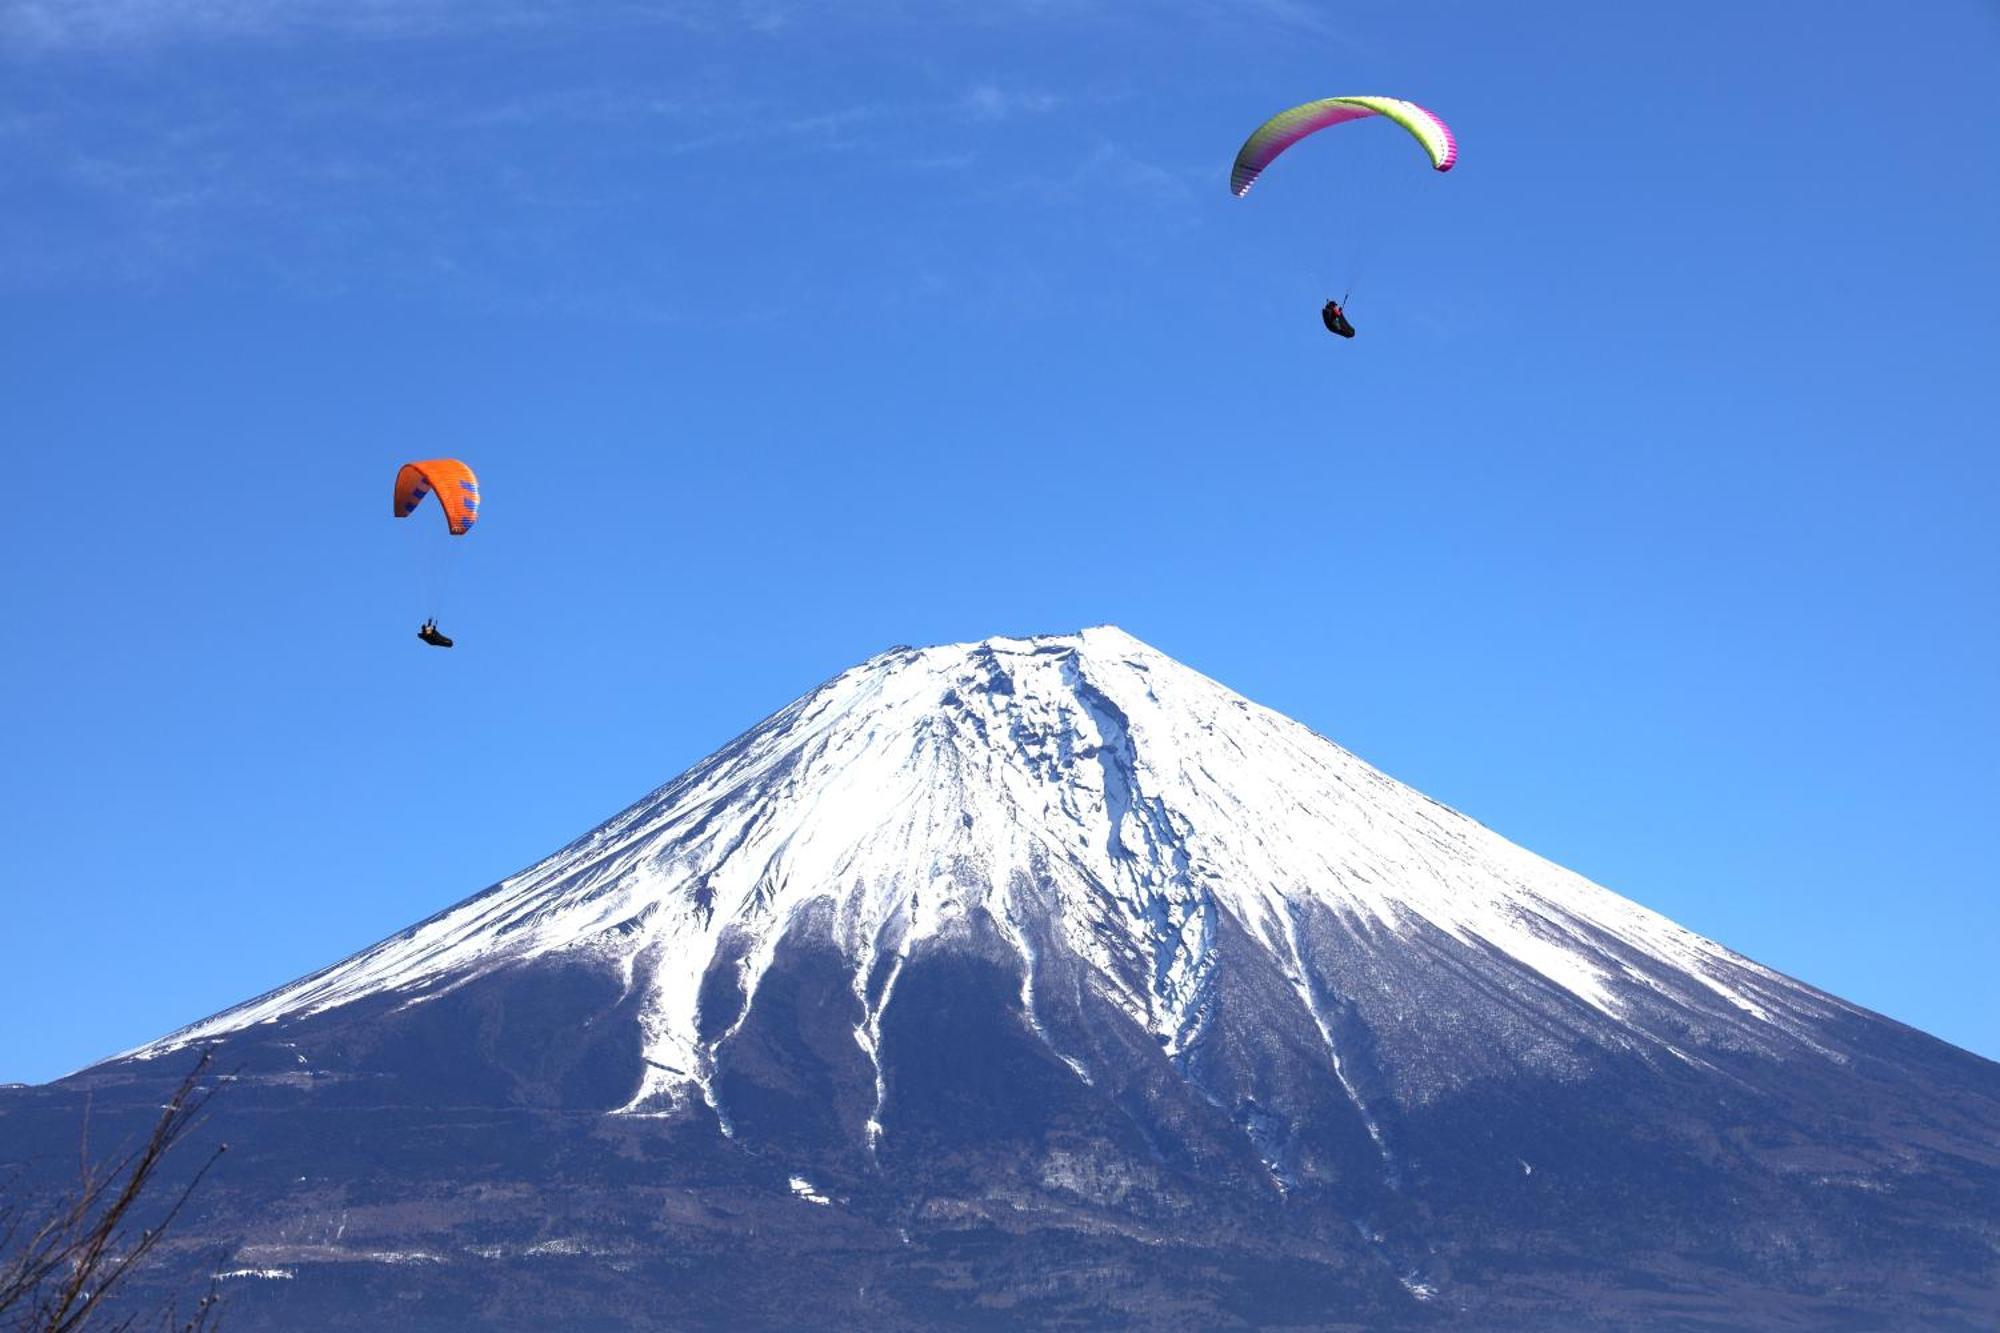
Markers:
1649,520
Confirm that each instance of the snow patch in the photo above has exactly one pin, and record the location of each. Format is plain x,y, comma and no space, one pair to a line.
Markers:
1423,1291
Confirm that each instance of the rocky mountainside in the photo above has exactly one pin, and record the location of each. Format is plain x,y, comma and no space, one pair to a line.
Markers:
1042,979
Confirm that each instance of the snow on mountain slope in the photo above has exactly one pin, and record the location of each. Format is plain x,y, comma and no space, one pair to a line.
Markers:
1088,776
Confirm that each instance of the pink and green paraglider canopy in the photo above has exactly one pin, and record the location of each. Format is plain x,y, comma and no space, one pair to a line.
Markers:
1286,128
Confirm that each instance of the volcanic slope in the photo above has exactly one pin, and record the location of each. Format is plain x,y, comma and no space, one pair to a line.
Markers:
1041,978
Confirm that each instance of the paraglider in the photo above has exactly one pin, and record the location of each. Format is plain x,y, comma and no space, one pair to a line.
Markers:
457,490
1286,128
456,486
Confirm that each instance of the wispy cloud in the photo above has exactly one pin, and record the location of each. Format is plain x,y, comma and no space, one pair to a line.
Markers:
45,26
1300,15
1109,168
76,25
71,24
531,166
991,101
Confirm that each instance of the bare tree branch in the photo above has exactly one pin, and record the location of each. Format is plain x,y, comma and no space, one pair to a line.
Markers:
56,1275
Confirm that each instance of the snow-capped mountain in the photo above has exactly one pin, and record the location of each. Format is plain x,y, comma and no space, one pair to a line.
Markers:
1087,795
1055,947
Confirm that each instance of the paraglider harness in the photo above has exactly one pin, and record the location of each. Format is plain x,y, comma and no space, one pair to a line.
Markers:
428,632
1335,319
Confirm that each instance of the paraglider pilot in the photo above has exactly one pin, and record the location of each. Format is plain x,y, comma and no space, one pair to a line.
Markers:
428,632
1335,319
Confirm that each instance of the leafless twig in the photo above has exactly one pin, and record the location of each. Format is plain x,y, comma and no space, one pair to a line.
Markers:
56,1274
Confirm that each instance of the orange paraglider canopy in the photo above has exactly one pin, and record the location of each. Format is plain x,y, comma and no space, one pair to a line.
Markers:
456,486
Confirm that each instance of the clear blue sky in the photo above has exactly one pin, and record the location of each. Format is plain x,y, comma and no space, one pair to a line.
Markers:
1650,520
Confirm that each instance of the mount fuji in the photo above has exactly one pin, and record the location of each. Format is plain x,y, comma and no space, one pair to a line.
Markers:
1048,981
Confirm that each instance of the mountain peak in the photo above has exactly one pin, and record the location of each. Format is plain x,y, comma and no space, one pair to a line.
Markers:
1101,643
